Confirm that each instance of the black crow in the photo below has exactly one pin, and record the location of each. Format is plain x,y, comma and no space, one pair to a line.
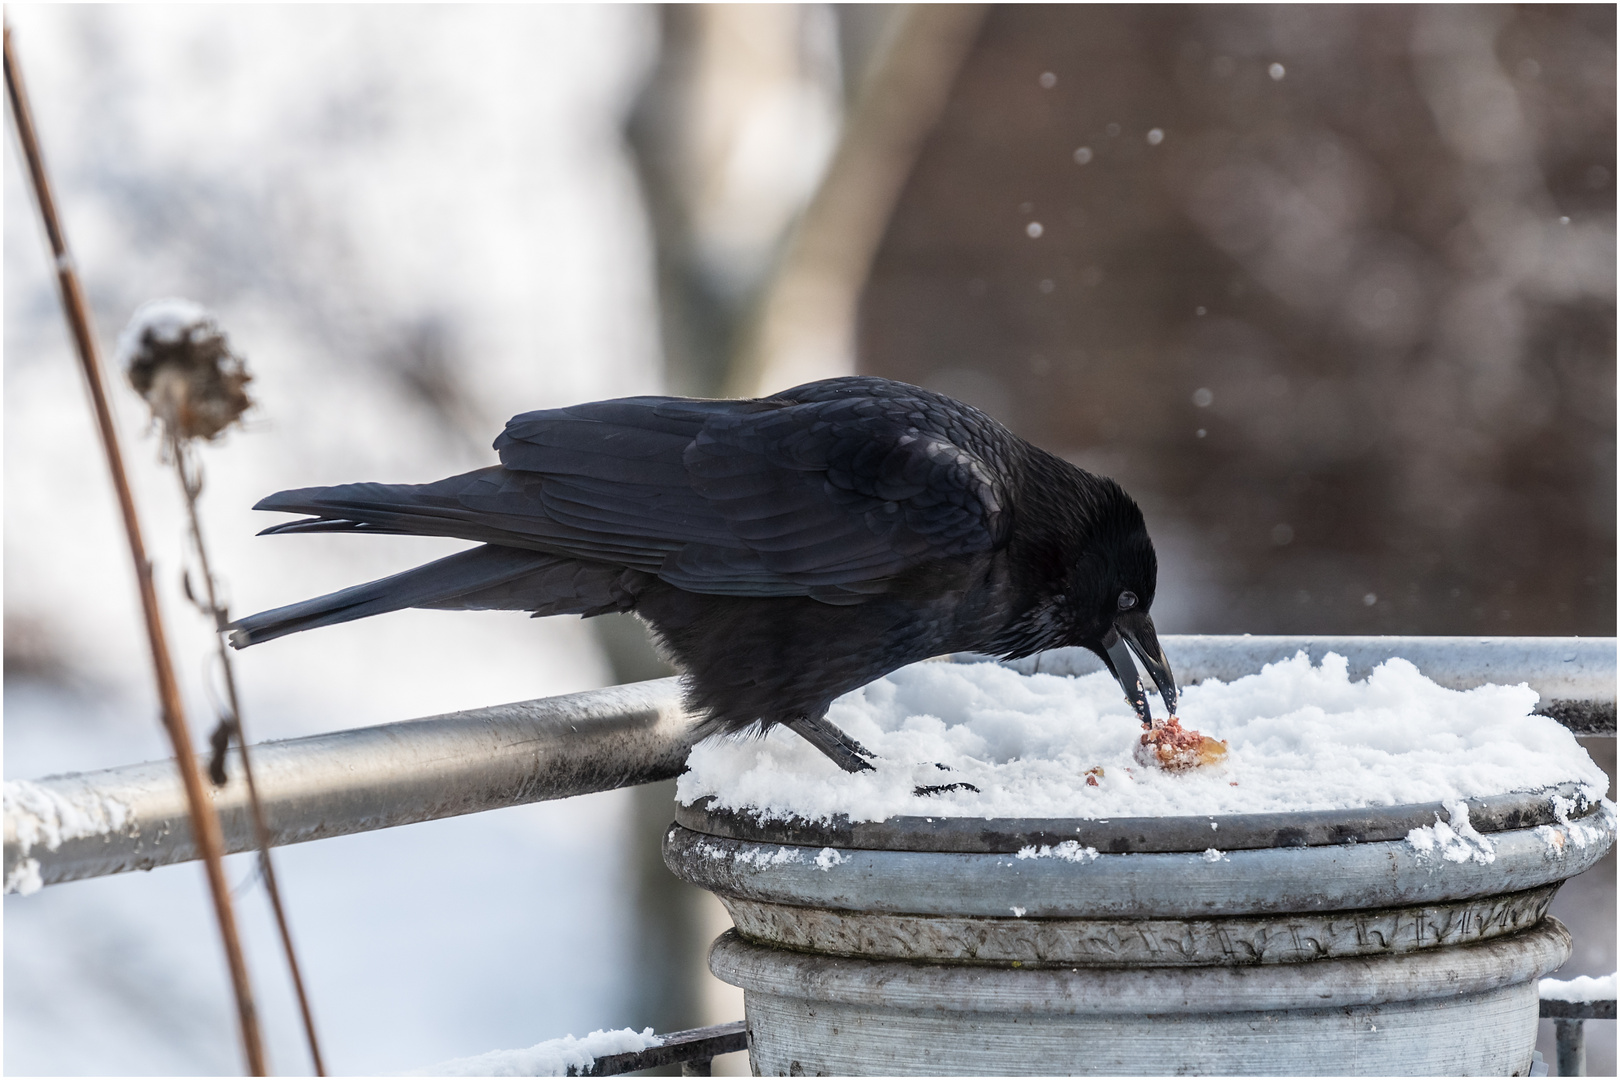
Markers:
783,550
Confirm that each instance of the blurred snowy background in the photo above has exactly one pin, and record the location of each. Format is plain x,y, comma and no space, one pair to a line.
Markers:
1345,326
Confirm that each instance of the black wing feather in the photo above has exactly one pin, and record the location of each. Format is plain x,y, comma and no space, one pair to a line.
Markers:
827,490
483,578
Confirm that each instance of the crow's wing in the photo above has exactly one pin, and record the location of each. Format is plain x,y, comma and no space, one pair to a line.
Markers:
826,497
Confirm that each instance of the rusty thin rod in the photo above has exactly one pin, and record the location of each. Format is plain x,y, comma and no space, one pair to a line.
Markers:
191,487
205,822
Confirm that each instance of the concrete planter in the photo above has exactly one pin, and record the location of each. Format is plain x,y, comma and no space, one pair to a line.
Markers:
1308,944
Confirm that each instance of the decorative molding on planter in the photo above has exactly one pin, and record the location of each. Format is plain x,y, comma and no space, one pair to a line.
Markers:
1013,942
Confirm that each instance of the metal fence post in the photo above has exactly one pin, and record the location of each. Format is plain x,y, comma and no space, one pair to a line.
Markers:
1571,1047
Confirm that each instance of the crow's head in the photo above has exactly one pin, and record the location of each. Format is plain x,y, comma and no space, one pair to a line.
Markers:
1111,593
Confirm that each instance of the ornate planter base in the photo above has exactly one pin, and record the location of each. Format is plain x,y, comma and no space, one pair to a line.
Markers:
1469,1010
1359,947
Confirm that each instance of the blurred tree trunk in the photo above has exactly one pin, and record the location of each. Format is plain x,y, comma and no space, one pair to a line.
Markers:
803,327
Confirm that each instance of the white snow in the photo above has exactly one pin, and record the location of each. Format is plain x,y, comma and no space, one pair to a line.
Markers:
1212,855
1455,841
1068,851
1595,829
24,879
829,858
1300,737
757,857
1584,988
554,1057
168,319
45,816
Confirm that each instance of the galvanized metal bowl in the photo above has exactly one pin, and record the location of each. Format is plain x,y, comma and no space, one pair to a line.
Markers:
1320,943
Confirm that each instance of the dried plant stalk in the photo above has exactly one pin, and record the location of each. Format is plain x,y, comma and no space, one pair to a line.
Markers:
178,359
189,471
204,820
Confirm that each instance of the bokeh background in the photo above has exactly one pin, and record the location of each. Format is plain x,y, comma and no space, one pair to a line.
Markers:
1331,290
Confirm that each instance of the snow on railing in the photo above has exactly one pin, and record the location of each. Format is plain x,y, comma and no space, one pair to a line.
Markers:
605,1053
1587,990
566,1056
47,816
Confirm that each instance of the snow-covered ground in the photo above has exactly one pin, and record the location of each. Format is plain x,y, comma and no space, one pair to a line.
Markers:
413,224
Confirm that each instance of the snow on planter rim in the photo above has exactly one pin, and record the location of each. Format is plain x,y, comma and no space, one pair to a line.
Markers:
1300,737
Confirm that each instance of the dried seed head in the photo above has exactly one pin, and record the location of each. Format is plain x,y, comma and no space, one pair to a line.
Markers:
177,358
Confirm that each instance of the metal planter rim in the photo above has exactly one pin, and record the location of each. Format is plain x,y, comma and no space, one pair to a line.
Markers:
1342,877
1229,832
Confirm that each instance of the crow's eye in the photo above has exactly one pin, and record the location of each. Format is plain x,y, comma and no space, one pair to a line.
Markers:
1127,600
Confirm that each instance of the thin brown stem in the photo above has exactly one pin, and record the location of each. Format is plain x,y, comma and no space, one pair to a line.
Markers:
204,820
189,471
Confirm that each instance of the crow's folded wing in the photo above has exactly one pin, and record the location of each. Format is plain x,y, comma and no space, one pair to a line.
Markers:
840,493
825,498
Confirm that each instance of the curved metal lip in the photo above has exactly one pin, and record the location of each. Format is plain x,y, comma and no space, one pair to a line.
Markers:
1228,832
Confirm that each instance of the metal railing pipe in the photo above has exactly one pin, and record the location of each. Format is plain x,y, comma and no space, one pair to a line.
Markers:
85,825
66,828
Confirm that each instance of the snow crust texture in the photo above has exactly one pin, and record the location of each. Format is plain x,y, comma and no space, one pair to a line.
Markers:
554,1057
1301,737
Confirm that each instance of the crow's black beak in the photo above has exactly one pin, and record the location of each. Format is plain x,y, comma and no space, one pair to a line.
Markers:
1135,629
1118,655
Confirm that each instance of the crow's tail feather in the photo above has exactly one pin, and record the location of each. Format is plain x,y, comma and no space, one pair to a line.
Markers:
435,509
484,578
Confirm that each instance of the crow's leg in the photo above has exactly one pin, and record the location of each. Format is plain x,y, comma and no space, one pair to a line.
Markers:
845,752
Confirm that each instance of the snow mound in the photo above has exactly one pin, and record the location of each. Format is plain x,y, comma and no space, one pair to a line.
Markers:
1301,737
554,1057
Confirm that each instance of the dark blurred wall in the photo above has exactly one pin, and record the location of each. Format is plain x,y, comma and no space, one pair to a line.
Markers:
1329,289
